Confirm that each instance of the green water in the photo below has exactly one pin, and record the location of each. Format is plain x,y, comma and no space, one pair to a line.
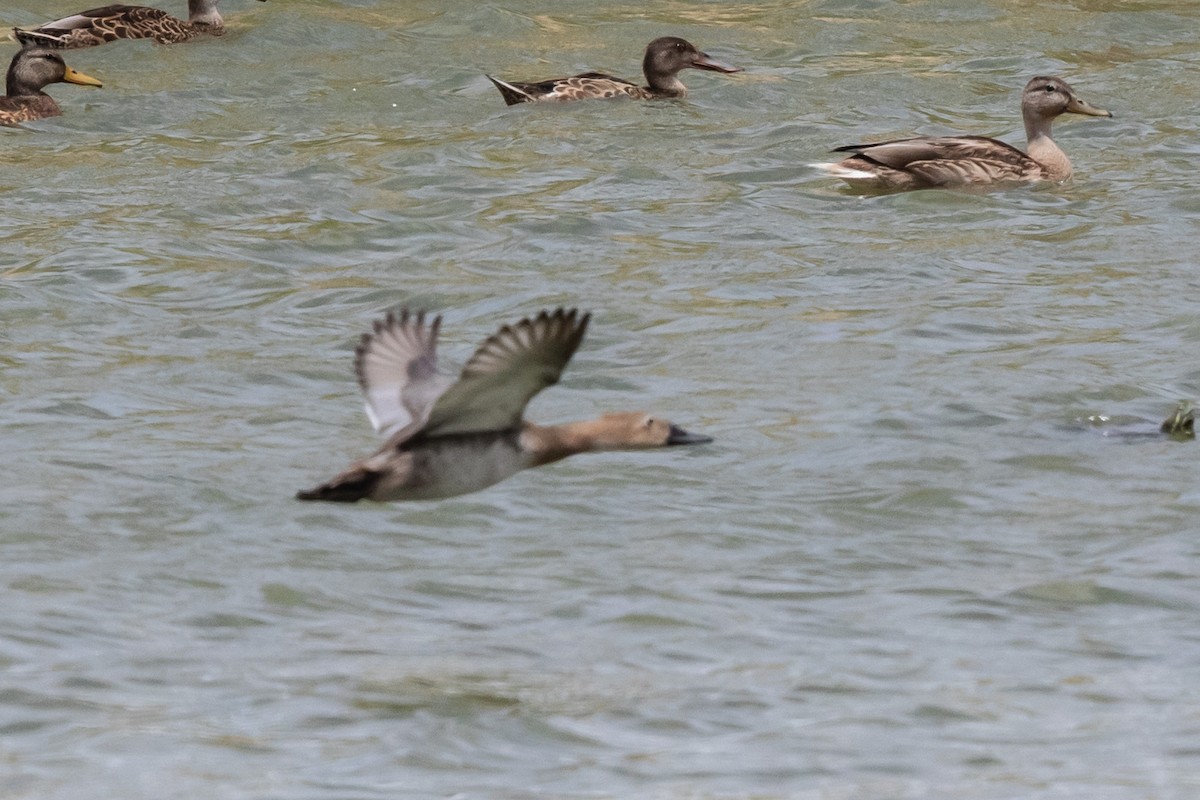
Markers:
909,567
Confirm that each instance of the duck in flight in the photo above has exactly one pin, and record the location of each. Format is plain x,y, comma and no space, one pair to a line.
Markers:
448,437
926,162
109,23
664,58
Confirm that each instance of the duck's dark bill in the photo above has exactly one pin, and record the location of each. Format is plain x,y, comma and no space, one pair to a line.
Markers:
679,436
704,61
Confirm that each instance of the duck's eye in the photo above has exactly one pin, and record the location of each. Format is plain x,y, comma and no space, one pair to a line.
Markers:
649,422
1051,89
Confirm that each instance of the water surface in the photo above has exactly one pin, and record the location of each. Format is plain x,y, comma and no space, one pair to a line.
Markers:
909,567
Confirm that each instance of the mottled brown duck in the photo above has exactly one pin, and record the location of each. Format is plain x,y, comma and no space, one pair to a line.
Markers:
448,437
107,24
926,162
31,70
664,58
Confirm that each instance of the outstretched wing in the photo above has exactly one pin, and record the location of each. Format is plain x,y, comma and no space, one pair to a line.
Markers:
397,370
507,370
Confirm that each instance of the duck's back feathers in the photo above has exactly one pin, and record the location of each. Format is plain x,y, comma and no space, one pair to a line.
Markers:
585,86
899,153
504,374
397,371
109,23
106,24
928,161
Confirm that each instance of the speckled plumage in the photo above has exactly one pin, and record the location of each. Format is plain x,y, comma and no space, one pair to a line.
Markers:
663,60
110,23
925,162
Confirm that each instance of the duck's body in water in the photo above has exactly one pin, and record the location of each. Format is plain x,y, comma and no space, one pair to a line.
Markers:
927,162
664,59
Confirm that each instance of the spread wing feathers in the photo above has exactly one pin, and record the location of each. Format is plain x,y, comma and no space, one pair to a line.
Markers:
588,85
946,159
397,371
507,370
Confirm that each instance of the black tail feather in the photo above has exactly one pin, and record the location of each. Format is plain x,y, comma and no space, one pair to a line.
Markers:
349,487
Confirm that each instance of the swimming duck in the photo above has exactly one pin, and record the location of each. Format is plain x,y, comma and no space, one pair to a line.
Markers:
31,70
1180,426
107,24
448,437
925,162
664,58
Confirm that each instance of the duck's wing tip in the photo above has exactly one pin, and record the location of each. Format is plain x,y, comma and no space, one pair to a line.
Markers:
396,366
507,370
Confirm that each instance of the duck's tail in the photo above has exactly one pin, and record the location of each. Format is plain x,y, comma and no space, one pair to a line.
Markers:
37,39
839,170
512,94
351,486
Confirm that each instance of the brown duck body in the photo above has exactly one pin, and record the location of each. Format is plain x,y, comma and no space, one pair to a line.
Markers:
663,60
447,437
109,23
925,162
15,110
31,70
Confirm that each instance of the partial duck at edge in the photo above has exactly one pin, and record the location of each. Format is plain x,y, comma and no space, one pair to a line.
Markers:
664,59
31,70
109,23
447,437
926,162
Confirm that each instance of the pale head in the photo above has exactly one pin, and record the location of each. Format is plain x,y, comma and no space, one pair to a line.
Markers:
34,68
666,56
1047,97
636,430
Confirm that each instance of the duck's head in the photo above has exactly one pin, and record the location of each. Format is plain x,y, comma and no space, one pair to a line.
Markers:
636,430
1045,98
667,55
1181,424
34,68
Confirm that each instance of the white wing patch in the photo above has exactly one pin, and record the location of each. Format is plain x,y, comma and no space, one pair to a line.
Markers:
397,371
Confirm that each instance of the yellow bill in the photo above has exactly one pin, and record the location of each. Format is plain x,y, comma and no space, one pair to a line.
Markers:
74,76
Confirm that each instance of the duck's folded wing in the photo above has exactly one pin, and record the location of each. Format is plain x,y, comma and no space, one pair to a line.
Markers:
507,370
902,153
107,14
397,370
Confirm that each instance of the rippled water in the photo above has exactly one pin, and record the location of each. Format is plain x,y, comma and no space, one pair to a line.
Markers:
909,567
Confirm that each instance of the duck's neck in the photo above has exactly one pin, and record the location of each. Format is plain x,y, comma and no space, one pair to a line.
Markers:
18,85
665,85
204,12
1042,148
546,444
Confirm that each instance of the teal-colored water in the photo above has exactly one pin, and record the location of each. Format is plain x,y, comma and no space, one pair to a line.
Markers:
908,567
